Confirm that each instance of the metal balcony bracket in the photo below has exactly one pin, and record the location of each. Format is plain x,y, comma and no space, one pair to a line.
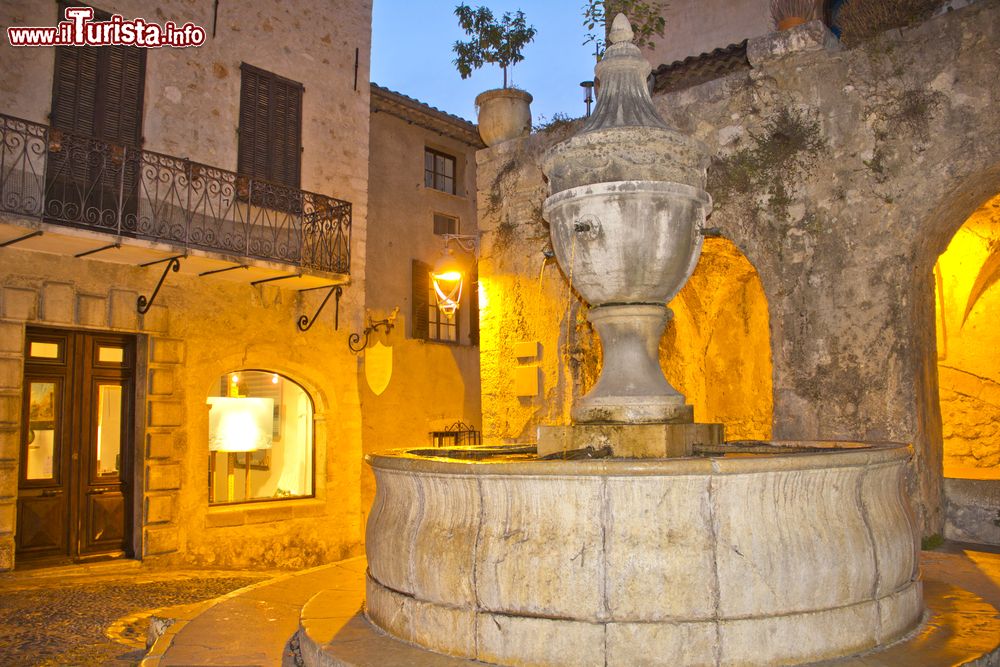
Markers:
305,323
273,279
32,235
94,251
228,268
173,264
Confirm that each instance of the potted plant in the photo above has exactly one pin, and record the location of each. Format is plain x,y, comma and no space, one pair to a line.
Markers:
789,13
504,113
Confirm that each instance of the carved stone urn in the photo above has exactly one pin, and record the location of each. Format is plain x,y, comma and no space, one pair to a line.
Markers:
626,211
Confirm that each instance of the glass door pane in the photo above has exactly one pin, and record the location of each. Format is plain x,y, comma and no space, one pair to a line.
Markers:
109,429
43,407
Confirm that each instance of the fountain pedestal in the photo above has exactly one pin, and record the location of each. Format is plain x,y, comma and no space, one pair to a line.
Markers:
633,441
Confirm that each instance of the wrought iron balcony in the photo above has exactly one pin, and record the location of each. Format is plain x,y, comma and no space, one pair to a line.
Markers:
79,181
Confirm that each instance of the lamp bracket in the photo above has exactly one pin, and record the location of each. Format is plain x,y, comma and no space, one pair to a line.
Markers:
467,242
389,323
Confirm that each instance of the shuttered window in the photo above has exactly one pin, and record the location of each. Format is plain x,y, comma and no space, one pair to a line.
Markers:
429,323
98,91
420,282
270,144
97,98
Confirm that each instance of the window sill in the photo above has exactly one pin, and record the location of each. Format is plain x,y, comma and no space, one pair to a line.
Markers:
220,516
462,198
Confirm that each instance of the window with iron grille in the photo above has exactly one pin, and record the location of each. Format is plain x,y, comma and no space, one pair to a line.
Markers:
270,143
445,224
439,171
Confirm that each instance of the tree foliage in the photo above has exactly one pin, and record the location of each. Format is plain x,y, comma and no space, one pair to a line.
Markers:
646,17
494,41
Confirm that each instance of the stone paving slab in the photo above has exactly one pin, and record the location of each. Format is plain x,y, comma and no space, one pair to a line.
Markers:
95,614
248,627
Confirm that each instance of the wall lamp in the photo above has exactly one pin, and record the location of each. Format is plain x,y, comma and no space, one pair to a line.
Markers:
373,326
448,274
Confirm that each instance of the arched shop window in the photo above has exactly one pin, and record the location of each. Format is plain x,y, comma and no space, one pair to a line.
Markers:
260,439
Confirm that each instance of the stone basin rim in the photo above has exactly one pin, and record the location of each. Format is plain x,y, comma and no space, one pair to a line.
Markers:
829,454
604,188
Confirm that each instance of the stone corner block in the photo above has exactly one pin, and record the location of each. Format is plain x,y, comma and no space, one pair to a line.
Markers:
165,413
20,303
58,303
159,509
11,337
124,313
812,36
157,320
163,477
160,446
166,351
161,541
6,553
10,374
92,310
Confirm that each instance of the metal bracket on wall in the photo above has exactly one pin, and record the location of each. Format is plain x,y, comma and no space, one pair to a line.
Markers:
173,264
31,235
305,323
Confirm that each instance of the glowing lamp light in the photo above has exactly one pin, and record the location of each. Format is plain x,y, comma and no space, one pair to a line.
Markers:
447,277
447,280
240,424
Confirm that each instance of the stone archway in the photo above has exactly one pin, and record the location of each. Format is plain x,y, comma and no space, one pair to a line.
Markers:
967,299
717,349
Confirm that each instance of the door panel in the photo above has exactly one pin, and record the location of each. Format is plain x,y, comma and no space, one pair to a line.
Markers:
74,497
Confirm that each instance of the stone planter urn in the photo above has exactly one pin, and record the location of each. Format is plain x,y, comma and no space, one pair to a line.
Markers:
504,114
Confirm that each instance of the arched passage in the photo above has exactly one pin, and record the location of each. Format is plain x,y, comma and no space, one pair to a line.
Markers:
967,300
717,349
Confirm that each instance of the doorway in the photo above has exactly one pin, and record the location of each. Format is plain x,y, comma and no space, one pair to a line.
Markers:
74,485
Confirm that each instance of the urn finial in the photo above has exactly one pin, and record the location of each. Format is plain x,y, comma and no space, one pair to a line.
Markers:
621,30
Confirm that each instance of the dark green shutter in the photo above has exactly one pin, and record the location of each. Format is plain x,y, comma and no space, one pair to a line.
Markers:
474,306
421,286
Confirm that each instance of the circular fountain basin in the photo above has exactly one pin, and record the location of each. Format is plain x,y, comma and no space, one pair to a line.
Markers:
752,555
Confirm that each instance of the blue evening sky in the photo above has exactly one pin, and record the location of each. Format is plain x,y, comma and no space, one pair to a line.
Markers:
411,54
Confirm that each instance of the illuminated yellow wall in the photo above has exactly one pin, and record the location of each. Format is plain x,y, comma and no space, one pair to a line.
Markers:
716,350
968,340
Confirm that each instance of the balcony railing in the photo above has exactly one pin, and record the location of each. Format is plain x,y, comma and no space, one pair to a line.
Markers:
83,182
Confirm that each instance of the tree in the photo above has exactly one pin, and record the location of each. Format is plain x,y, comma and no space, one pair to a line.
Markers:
497,42
646,17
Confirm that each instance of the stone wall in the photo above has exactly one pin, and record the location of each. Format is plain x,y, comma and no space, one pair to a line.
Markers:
201,328
840,175
197,331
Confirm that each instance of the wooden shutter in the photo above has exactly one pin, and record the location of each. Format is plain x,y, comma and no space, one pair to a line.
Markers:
420,288
474,306
74,89
270,141
120,94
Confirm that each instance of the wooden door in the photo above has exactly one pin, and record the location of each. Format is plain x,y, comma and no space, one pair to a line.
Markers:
74,495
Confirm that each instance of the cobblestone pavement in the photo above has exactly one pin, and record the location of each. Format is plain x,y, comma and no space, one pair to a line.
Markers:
65,620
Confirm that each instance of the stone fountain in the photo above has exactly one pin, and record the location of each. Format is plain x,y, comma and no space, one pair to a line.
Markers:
676,550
